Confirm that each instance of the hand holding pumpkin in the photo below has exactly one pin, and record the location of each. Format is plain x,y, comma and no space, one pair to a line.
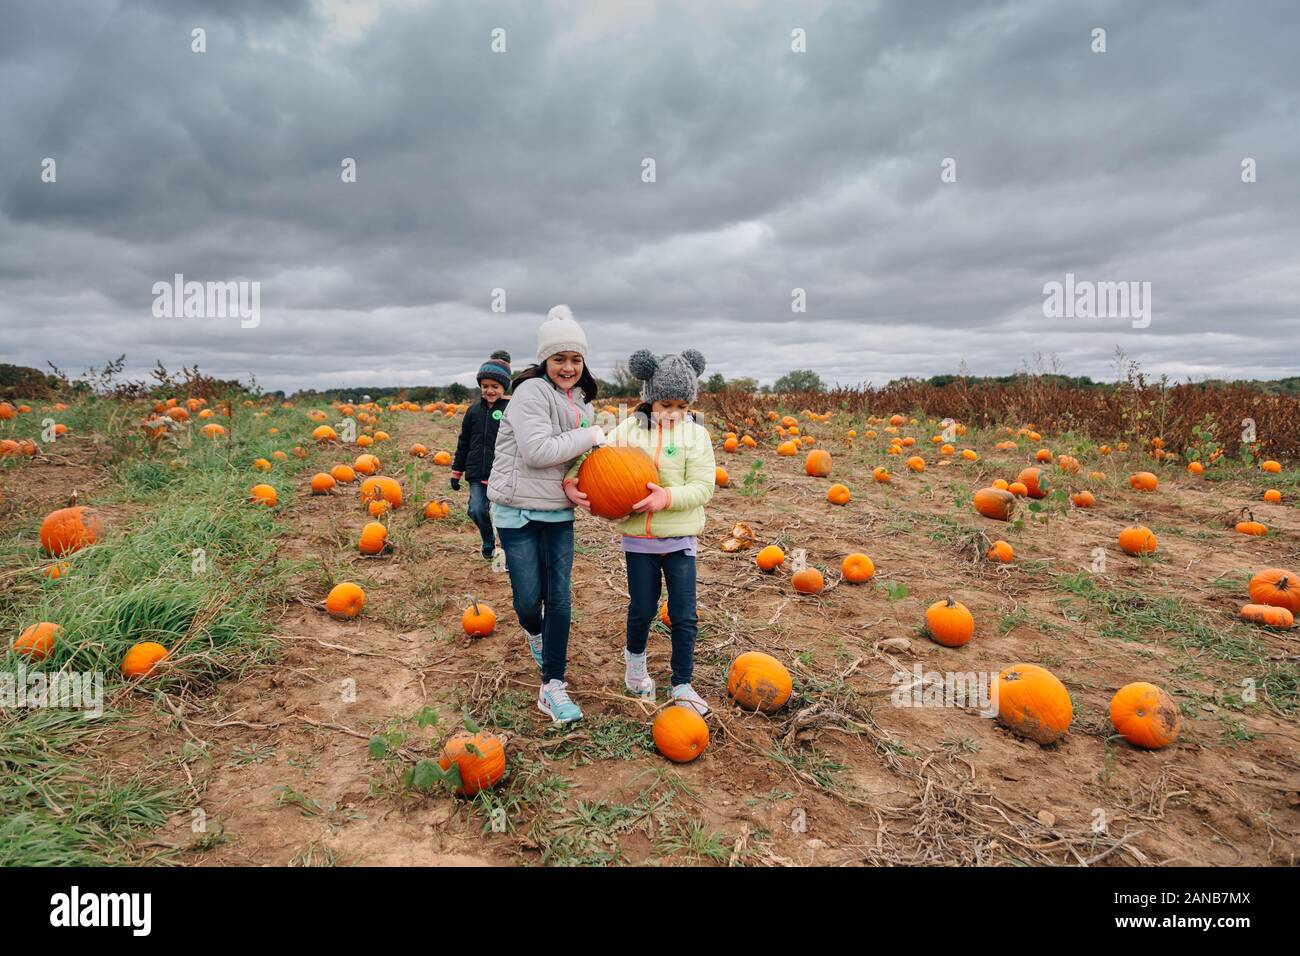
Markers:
657,500
579,498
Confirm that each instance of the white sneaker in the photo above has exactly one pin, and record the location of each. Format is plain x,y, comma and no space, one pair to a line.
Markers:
684,696
636,678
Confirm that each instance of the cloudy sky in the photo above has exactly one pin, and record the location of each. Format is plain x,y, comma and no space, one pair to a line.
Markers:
774,170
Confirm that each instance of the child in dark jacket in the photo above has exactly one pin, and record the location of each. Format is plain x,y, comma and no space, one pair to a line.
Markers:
477,444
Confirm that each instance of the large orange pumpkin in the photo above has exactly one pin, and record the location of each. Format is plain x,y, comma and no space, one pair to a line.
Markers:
758,681
614,478
1145,715
1276,587
1033,703
995,503
69,529
480,757
680,734
818,463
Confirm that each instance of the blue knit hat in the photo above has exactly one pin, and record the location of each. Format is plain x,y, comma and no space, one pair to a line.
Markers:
497,368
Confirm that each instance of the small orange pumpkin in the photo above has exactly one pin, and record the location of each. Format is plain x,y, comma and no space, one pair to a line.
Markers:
838,495
1001,551
1034,703
322,483
1271,466
769,558
69,529
808,581
374,538
758,681
1268,615
1145,715
1083,499
1138,539
345,601
142,658
262,495
343,474
1144,481
857,568
480,758
37,641
680,734
478,620
949,623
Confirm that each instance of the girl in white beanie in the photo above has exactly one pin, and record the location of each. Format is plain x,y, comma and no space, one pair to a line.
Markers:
547,425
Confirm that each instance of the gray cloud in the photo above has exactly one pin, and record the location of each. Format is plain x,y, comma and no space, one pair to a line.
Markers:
775,170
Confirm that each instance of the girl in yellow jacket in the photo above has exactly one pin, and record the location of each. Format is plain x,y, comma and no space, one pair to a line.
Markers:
659,537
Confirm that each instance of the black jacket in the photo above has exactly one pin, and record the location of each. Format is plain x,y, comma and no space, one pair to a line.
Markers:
478,439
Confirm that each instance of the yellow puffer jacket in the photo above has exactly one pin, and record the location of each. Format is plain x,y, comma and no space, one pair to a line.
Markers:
683,454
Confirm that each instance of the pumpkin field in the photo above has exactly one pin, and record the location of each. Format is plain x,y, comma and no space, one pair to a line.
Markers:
306,661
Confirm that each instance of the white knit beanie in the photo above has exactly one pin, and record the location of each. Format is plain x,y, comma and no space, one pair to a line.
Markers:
560,333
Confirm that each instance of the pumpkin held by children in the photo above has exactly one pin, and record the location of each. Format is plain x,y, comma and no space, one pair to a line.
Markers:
614,478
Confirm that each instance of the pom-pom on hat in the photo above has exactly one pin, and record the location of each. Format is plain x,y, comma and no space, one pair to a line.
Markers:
560,333
497,368
667,377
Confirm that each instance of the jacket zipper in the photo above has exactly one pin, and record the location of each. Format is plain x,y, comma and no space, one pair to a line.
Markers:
658,448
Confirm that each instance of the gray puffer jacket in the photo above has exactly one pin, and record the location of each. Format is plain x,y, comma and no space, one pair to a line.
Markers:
542,432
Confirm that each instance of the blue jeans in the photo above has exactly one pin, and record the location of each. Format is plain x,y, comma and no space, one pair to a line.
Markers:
539,557
644,572
479,513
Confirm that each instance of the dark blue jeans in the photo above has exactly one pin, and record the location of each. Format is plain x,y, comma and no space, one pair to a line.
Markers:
479,513
644,574
539,557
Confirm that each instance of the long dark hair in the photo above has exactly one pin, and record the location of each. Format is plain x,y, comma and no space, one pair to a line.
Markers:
586,381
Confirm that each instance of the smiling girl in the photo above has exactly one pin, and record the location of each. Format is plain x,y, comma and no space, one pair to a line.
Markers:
547,425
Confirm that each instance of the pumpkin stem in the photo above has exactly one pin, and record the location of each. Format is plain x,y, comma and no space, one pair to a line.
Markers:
951,602
473,600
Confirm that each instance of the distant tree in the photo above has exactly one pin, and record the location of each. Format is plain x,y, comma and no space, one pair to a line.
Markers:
714,383
624,383
458,392
744,384
799,380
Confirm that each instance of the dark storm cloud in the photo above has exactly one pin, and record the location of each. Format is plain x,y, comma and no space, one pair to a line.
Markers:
775,170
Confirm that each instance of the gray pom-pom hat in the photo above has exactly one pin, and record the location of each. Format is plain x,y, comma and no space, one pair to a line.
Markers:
667,377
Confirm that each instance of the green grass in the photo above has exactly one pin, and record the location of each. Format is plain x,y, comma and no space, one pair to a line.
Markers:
184,561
